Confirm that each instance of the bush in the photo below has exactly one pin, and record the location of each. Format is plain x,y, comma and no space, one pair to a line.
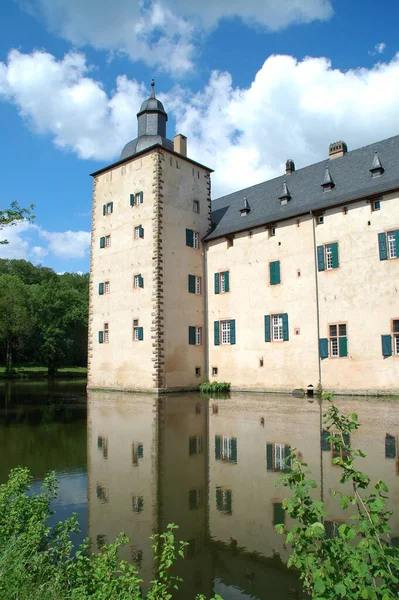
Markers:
360,561
215,387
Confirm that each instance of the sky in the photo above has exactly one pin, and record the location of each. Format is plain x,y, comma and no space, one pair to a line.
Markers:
249,83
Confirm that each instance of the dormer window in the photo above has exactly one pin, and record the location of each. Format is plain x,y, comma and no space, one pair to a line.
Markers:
285,196
376,168
328,183
246,208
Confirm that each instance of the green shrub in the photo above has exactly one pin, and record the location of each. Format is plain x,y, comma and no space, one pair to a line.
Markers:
215,387
358,562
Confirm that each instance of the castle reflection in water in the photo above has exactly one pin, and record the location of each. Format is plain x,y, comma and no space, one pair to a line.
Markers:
211,466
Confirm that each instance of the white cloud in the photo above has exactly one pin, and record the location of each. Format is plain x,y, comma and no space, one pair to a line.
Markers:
292,109
164,33
378,49
23,243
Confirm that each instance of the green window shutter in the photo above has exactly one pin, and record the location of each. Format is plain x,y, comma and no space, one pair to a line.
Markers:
286,336
229,501
131,199
217,283
320,258
269,457
324,441
234,450
267,328
141,231
382,245
218,499
287,452
191,336
141,334
102,242
386,342
271,273
140,451
112,207
141,198
334,251
216,333
226,281
343,346
100,337
232,331
217,447
101,288
278,514
191,284
277,271
141,281
323,347
390,446
104,209
190,238
192,445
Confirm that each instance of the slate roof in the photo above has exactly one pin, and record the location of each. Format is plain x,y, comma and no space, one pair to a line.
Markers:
352,180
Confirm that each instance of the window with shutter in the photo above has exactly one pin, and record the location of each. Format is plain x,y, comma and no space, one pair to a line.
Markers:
191,336
216,333
386,342
323,347
395,336
338,342
267,328
191,284
274,272
101,289
102,242
190,238
390,446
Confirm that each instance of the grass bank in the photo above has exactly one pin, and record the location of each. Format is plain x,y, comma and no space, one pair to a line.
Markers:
36,372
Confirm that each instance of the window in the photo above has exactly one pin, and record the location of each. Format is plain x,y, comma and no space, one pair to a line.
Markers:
137,504
272,231
391,446
395,334
138,332
222,284
274,272
195,336
230,240
192,239
226,448
103,336
320,219
136,199
138,281
195,445
106,287
105,241
194,284
214,371
102,493
338,341
102,444
196,206
388,244
138,232
198,371
195,499
376,205
224,332
390,343
277,328
224,499
327,257
278,513
137,452
101,540
328,445
108,208
276,457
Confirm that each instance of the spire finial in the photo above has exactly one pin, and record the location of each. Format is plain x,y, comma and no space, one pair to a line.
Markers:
152,89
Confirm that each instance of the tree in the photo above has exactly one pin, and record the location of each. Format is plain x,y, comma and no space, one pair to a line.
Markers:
15,322
13,215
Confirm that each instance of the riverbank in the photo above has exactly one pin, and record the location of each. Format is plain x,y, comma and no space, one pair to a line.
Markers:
40,372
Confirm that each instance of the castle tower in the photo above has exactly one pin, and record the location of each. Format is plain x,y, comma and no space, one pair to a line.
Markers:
151,209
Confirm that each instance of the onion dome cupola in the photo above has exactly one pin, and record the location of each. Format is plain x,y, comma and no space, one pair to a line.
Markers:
152,120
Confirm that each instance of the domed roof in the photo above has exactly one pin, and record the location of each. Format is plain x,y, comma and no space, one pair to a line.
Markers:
152,103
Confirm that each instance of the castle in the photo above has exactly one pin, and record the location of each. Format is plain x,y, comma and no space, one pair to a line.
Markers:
291,283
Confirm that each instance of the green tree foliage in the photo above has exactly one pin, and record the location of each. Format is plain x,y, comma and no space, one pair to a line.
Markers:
359,561
15,322
13,215
44,316
39,563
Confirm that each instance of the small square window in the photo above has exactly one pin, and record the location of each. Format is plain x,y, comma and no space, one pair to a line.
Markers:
214,371
272,231
376,205
197,371
196,206
135,322
320,219
106,287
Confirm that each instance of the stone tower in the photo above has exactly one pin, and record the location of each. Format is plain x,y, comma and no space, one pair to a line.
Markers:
151,209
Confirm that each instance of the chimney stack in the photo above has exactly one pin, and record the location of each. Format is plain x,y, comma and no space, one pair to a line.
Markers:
337,149
180,144
289,167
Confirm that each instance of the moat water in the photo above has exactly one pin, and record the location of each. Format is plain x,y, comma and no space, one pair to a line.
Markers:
134,463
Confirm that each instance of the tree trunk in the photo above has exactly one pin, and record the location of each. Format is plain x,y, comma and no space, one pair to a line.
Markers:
51,371
8,357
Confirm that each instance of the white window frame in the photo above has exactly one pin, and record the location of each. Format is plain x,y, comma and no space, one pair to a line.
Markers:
225,332
334,339
225,448
279,457
106,287
197,285
198,336
107,241
374,205
137,199
391,244
195,240
137,232
395,336
136,334
106,333
108,208
277,328
196,206
222,282
136,281
328,256
320,219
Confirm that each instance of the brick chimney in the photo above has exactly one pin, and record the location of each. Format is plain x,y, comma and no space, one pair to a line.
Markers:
337,149
289,167
180,144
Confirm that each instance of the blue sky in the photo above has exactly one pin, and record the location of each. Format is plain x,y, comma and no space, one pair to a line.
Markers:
249,83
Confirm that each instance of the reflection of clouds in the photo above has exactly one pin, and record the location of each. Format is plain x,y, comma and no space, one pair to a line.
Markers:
72,490
231,592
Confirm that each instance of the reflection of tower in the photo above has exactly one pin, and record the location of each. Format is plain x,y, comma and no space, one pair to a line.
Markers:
183,485
122,473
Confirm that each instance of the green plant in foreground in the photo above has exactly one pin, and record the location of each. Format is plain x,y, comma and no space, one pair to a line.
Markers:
37,562
359,562
214,387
